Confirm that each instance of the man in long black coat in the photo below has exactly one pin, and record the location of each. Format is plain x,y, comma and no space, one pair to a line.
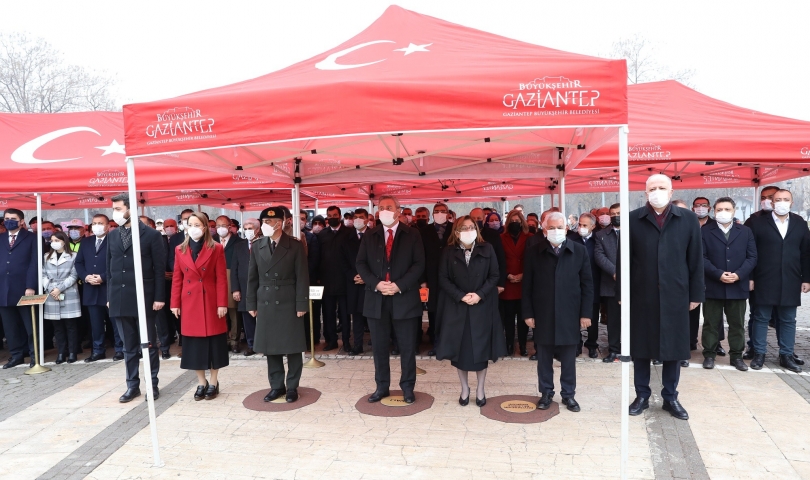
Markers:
494,238
355,288
121,292
430,279
557,303
782,274
333,279
391,261
666,282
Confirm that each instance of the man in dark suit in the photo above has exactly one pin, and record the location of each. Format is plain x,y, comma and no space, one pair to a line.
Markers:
167,322
782,274
313,263
355,288
729,257
229,241
333,278
493,238
430,279
440,224
91,266
605,251
586,236
666,282
391,261
122,294
239,277
557,302
18,277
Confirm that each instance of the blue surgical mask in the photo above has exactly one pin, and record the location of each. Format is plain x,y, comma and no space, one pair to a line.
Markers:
11,224
495,224
46,234
75,234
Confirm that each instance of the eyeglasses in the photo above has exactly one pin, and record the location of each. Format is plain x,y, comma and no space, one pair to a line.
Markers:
466,228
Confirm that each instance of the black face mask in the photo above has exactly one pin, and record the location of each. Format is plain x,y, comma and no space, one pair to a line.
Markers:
421,223
514,228
615,221
333,222
532,230
480,224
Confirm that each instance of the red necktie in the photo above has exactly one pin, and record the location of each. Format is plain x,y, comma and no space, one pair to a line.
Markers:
14,238
389,245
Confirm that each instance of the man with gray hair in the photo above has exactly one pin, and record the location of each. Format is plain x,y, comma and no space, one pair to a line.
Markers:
239,278
585,235
666,282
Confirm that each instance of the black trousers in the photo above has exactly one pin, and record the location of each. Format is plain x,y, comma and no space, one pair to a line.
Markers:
130,334
510,311
275,370
358,330
614,324
381,329
431,331
66,331
331,303
670,376
98,317
316,322
568,369
249,322
165,320
18,330
593,331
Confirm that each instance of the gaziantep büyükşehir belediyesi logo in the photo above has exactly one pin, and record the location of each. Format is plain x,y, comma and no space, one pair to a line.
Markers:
551,96
805,151
180,124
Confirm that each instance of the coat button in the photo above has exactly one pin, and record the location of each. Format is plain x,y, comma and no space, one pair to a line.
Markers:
276,302
265,303
276,288
277,274
267,288
266,274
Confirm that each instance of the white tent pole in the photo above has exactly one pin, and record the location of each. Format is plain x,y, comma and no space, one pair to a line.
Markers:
39,279
86,216
603,199
542,203
562,194
296,207
147,366
505,210
242,221
370,207
624,244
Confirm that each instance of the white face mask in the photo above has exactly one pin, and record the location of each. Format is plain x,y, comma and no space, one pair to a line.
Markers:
118,217
316,229
766,204
57,245
409,219
658,198
183,225
468,238
723,217
440,218
98,230
604,220
584,232
359,223
348,222
387,217
169,231
195,233
267,230
249,234
702,212
781,208
556,236
222,231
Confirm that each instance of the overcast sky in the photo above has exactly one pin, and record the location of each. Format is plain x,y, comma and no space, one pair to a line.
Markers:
751,53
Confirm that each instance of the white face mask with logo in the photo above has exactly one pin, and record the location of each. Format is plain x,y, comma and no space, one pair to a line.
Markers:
98,230
556,236
781,208
267,230
468,238
387,217
195,233
359,223
658,198
702,212
222,231
723,217
249,234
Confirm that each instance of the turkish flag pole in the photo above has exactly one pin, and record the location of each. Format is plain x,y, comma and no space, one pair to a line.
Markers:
147,364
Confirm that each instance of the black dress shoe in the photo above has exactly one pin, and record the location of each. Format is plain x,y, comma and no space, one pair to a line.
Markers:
395,351
235,348
612,357
638,406
275,394
545,402
593,352
72,358
708,363
129,395
32,363
199,394
155,393
95,357
523,352
292,395
464,401
510,350
378,395
118,356
571,404
749,354
684,363
249,352
357,350
798,360
213,390
720,351
166,355
330,346
739,364
533,357
676,409
758,361
410,397
657,362
481,401
787,362
60,359
431,352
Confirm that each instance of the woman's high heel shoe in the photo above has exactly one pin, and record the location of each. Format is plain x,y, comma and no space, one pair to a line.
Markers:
200,393
464,401
481,401
212,392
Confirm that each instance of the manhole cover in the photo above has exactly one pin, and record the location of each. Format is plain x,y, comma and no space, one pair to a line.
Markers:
518,406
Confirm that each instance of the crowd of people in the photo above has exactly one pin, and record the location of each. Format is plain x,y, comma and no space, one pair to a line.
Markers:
484,282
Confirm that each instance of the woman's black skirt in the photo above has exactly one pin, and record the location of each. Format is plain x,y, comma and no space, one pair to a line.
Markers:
203,353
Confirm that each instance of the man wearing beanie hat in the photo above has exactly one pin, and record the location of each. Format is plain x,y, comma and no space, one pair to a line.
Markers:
278,297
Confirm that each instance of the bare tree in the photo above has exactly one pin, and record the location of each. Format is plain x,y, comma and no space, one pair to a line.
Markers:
642,62
35,79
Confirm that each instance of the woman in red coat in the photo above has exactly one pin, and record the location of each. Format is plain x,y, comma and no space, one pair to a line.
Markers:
514,236
200,294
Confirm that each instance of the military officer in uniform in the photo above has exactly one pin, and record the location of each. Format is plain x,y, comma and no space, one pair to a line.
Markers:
278,296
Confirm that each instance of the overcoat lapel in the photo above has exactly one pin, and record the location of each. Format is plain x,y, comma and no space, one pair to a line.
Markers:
281,250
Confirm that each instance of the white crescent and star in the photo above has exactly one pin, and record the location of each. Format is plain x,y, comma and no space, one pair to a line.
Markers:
25,153
330,62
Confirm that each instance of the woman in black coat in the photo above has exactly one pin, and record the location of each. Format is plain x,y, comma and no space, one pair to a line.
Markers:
469,330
